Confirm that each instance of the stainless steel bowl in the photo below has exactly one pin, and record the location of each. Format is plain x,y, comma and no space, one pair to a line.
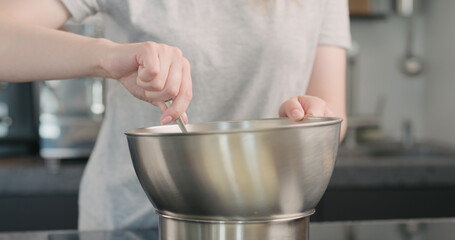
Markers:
259,170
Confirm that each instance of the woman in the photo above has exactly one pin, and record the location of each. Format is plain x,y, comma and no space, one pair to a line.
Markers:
248,60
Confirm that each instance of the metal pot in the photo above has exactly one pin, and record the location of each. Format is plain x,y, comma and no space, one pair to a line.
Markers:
267,170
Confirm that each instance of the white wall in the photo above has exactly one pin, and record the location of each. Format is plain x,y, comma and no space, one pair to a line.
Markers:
382,44
440,84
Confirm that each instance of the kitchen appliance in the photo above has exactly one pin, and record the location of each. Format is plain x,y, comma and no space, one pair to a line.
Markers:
71,112
255,180
18,122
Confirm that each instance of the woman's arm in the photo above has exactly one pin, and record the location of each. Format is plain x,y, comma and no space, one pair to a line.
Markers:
31,49
325,95
328,81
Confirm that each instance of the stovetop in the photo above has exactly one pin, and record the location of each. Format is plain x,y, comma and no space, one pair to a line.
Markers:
424,229
107,235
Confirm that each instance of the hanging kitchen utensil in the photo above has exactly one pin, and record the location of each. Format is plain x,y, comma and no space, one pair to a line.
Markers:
412,64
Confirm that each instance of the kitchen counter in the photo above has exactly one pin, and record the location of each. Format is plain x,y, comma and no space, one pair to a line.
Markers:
392,164
393,172
440,229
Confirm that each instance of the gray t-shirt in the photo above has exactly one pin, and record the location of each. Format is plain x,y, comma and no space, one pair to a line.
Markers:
246,60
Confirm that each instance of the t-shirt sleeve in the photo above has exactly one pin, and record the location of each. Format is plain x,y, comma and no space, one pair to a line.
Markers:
81,9
335,24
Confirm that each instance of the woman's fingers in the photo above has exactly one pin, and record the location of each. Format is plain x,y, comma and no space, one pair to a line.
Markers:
172,79
159,71
292,109
163,109
184,118
298,107
160,105
150,70
161,80
313,106
182,100
154,73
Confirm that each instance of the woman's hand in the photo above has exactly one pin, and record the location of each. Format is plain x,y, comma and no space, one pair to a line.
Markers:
154,73
299,107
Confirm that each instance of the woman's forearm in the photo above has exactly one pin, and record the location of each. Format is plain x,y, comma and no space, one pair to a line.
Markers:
328,80
150,71
34,53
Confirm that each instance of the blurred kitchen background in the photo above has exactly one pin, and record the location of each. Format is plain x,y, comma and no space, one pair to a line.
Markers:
397,161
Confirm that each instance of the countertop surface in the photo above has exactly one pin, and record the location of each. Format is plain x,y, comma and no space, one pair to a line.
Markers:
393,172
29,175
424,229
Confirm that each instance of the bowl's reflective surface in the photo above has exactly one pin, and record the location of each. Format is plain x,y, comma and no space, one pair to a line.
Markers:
246,170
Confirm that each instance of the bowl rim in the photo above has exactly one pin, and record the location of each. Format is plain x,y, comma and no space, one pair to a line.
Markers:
315,122
234,219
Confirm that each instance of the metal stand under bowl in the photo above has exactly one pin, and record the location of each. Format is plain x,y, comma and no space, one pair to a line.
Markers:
189,229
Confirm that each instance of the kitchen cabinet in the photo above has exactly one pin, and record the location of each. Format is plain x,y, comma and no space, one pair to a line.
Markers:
390,186
353,204
38,212
34,198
